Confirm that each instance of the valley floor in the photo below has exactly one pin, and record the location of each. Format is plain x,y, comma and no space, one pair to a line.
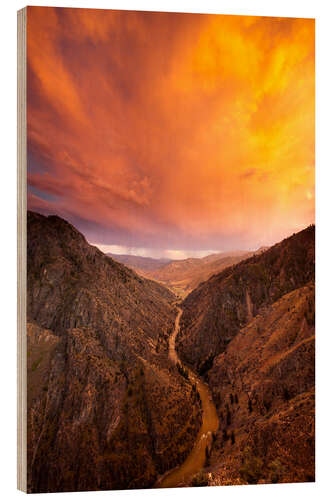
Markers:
210,423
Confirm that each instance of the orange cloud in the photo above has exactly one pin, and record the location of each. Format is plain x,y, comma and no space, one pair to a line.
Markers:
176,131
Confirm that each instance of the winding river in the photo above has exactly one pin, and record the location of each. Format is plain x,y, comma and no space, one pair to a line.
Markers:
196,459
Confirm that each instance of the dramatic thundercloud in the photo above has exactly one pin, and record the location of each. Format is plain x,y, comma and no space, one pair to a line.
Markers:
187,133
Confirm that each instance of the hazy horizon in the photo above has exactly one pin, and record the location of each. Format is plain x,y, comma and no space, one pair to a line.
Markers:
175,254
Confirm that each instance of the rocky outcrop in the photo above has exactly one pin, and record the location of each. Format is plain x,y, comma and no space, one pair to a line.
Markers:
106,408
250,332
216,310
263,387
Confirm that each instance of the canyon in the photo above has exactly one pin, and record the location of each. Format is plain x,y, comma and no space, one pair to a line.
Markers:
153,376
249,332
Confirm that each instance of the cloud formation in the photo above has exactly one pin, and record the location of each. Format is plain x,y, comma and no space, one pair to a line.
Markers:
171,131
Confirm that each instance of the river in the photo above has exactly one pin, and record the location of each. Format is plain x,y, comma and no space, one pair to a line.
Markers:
196,459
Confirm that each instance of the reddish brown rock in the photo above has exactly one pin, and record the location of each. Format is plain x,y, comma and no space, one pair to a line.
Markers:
250,331
107,409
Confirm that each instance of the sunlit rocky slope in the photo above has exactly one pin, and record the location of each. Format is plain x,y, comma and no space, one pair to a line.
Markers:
182,276
250,332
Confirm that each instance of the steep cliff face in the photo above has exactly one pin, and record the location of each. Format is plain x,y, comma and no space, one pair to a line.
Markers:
216,310
73,284
104,402
250,332
263,387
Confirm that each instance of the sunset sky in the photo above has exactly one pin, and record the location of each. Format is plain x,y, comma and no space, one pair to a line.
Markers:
171,135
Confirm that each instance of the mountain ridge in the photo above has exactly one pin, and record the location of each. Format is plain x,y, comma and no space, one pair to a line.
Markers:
99,372
106,407
184,275
137,262
229,299
247,331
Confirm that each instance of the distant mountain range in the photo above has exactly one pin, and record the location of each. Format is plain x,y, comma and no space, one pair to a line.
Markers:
182,276
140,263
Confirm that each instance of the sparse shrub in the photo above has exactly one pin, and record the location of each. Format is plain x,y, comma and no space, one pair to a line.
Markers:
183,371
200,479
207,455
276,470
310,315
286,394
267,404
251,470
217,398
206,365
249,404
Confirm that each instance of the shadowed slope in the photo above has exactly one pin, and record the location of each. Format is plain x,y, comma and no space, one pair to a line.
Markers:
107,409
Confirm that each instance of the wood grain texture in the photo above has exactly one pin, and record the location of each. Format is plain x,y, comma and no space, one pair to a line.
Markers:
21,251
